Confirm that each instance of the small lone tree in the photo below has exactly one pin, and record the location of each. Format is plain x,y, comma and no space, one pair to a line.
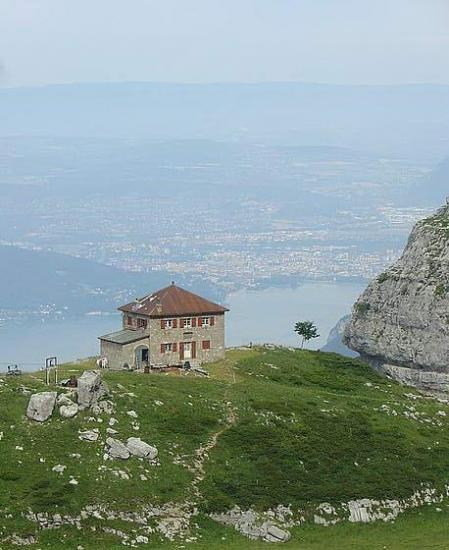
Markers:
306,330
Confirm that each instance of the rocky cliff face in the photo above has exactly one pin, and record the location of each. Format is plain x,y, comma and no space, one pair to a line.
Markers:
400,324
335,339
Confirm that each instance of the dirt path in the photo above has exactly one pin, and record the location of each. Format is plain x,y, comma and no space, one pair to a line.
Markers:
203,452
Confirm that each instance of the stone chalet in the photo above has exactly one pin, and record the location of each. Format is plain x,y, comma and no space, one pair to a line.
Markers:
168,327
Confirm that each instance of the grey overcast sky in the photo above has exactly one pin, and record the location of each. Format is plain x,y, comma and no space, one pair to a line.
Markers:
336,41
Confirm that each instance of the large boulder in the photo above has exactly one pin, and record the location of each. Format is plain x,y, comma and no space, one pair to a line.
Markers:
90,389
41,405
139,448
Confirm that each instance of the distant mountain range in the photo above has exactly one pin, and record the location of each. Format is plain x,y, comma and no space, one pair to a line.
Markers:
408,120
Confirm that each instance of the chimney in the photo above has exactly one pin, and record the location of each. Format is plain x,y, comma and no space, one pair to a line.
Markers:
158,307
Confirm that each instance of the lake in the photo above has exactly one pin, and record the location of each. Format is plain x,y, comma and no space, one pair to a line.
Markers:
257,316
268,316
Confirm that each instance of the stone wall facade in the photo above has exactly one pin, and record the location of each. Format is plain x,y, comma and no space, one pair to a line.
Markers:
121,356
196,335
207,344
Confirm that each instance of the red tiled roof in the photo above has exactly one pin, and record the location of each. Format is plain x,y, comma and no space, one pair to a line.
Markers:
172,301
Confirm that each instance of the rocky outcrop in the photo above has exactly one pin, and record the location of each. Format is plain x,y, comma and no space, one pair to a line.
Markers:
401,321
334,343
41,405
269,526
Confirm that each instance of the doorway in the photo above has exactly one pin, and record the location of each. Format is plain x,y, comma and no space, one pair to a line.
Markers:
142,357
187,350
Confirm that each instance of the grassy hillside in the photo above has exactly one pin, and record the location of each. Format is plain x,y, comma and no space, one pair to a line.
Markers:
269,427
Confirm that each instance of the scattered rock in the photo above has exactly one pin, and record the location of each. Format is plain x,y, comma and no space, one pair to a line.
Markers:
139,448
41,405
276,534
18,540
116,449
106,407
89,435
68,411
133,414
59,468
64,400
111,431
256,525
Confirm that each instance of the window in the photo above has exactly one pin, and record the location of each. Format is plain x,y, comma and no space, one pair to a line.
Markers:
142,323
167,348
206,344
205,321
168,323
129,320
187,322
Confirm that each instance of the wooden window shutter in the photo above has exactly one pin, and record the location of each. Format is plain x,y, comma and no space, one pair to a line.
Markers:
193,350
212,321
162,323
181,323
194,322
175,323
200,322
206,344
162,348
175,347
181,350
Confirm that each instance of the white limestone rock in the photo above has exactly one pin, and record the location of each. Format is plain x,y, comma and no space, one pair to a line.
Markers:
105,406
89,435
117,449
68,411
90,389
64,400
41,405
139,448
400,321
275,534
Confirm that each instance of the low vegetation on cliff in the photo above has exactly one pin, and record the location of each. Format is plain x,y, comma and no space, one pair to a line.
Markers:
291,441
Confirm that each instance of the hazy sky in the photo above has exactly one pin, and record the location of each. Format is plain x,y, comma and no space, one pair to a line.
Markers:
342,41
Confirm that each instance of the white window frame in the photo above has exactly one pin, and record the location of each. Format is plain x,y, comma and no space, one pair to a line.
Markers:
168,323
187,322
168,348
205,322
